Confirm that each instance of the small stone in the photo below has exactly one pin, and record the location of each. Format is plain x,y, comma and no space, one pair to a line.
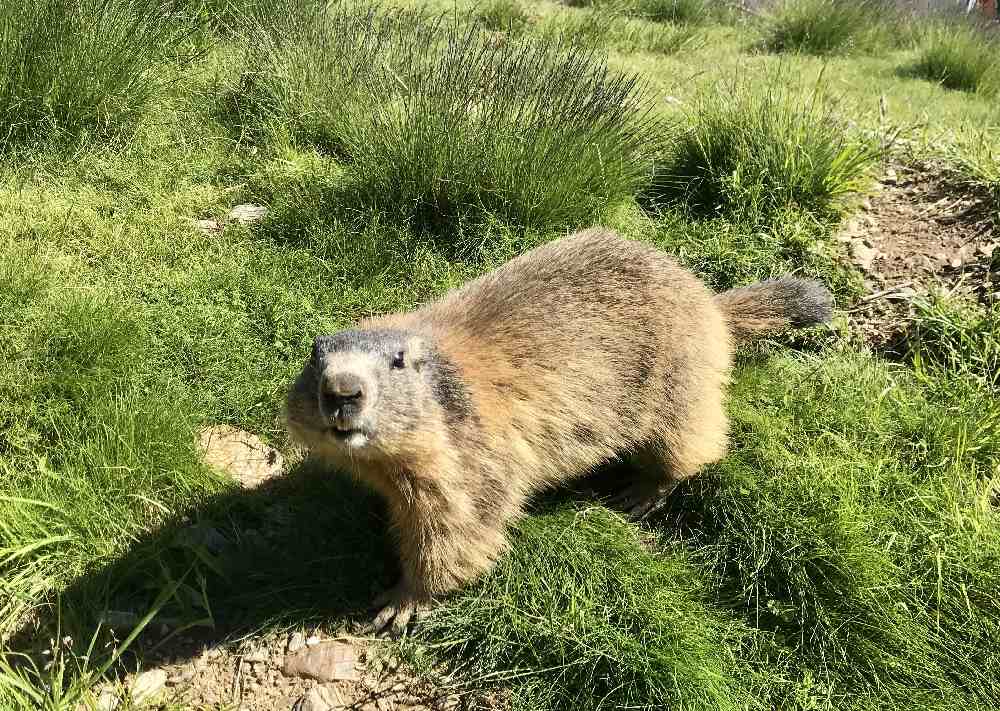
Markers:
247,213
147,686
890,177
208,226
331,661
324,697
242,455
313,640
296,642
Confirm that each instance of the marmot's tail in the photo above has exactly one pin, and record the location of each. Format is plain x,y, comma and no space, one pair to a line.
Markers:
769,306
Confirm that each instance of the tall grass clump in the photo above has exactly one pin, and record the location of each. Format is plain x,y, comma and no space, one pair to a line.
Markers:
959,55
596,27
502,15
824,26
754,150
434,119
677,11
69,67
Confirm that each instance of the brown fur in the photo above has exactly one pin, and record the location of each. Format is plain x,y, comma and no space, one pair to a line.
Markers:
576,353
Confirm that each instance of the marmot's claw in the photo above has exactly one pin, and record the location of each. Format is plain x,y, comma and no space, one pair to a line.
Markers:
641,499
398,608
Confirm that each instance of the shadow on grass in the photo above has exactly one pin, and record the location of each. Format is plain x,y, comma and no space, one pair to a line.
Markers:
308,546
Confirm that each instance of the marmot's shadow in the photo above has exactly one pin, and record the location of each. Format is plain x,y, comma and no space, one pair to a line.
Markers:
309,546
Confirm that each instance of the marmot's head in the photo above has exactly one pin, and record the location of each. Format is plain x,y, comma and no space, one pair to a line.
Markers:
368,393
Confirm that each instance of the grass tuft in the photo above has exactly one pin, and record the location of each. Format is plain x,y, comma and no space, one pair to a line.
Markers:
677,11
752,151
959,55
69,67
436,120
502,15
823,26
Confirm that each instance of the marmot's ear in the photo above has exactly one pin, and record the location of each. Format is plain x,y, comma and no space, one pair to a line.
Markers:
416,352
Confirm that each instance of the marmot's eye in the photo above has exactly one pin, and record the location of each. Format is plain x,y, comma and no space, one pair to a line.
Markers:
397,360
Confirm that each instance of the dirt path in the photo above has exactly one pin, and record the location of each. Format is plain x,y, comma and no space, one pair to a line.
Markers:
921,230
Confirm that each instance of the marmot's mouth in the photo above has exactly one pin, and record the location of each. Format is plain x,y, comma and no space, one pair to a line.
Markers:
346,433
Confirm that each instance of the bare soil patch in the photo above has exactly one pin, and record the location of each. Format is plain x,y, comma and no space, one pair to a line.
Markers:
922,230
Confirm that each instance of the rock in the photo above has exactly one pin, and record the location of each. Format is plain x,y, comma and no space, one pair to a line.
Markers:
330,661
247,213
242,455
147,686
323,698
296,642
313,640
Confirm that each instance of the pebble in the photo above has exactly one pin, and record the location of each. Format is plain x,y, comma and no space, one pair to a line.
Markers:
148,685
313,640
323,698
297,642
331,661
247,212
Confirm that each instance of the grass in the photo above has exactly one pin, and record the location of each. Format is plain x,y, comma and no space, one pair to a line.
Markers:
753,150
843,556
89,67
959,55
435,121
824,27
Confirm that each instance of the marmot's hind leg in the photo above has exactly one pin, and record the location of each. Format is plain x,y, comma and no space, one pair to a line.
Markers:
673,455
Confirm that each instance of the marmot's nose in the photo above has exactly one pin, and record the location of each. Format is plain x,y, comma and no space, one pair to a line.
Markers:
345,386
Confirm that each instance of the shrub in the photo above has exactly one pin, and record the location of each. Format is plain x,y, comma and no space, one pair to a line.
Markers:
73,66
823,26
437,120
959,55
753,150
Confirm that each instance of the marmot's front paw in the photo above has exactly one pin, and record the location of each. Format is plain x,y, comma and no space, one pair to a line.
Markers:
397,607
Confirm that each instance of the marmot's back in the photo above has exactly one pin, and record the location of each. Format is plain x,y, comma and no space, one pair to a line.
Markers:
574,350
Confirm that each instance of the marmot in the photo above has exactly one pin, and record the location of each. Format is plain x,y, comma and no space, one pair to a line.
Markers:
583,350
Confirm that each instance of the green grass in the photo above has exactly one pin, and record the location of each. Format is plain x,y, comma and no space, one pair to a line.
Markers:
83,68
959,55
843,556
824,27
752,150
434,122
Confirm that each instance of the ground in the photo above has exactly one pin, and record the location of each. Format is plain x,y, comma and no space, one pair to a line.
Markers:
164,545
